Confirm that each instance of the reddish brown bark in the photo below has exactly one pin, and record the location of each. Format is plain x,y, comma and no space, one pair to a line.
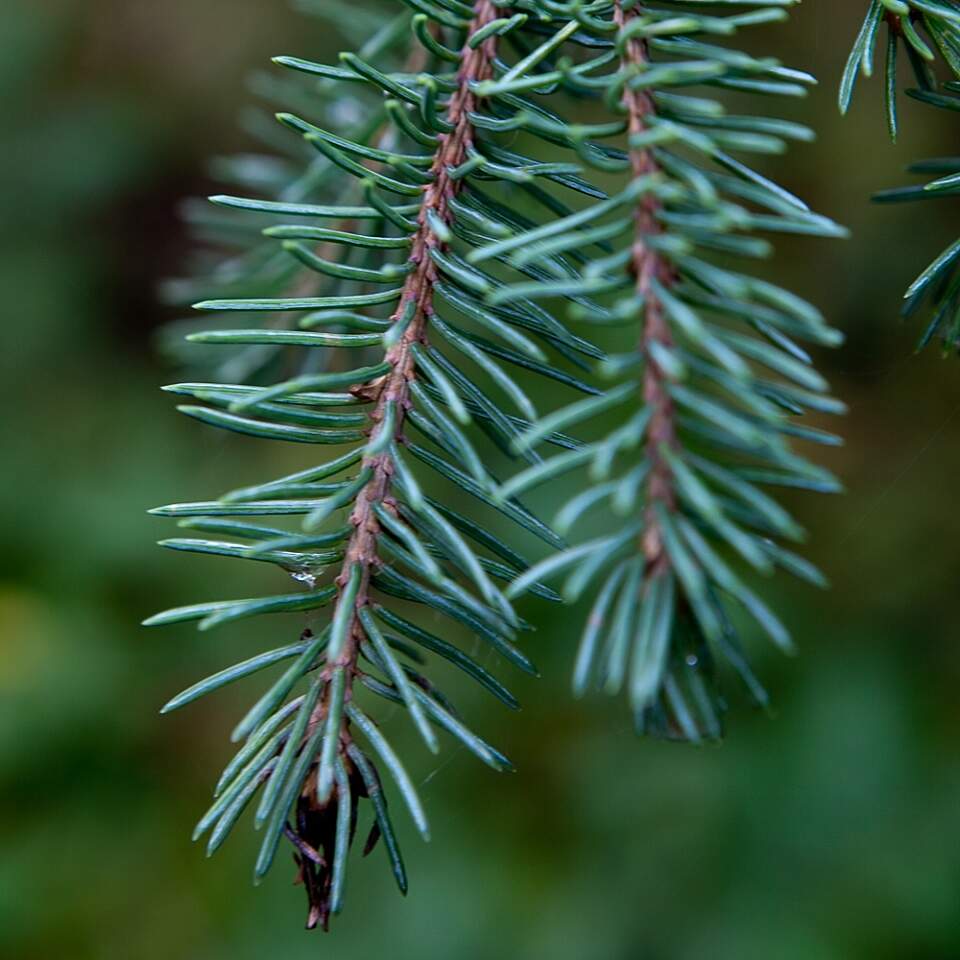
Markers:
647,266
394,387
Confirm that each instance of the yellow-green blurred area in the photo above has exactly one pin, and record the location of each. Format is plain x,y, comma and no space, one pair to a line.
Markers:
828,831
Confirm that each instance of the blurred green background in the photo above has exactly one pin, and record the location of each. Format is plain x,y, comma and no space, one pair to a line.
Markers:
829,831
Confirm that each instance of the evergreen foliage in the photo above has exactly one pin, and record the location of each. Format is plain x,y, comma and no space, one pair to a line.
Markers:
928,31
705,406
483,179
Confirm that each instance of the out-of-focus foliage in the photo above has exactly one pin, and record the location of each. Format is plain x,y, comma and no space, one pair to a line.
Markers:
928,31
826,834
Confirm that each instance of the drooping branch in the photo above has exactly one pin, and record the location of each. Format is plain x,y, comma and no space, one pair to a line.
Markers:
392,394
709,395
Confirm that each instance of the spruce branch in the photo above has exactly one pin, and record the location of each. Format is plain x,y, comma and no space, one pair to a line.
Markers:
351,609
703,411
410,176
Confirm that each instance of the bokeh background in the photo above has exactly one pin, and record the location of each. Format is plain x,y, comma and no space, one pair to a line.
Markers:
827,832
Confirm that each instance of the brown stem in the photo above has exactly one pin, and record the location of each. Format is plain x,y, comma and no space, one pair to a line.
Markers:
648,266
394,388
